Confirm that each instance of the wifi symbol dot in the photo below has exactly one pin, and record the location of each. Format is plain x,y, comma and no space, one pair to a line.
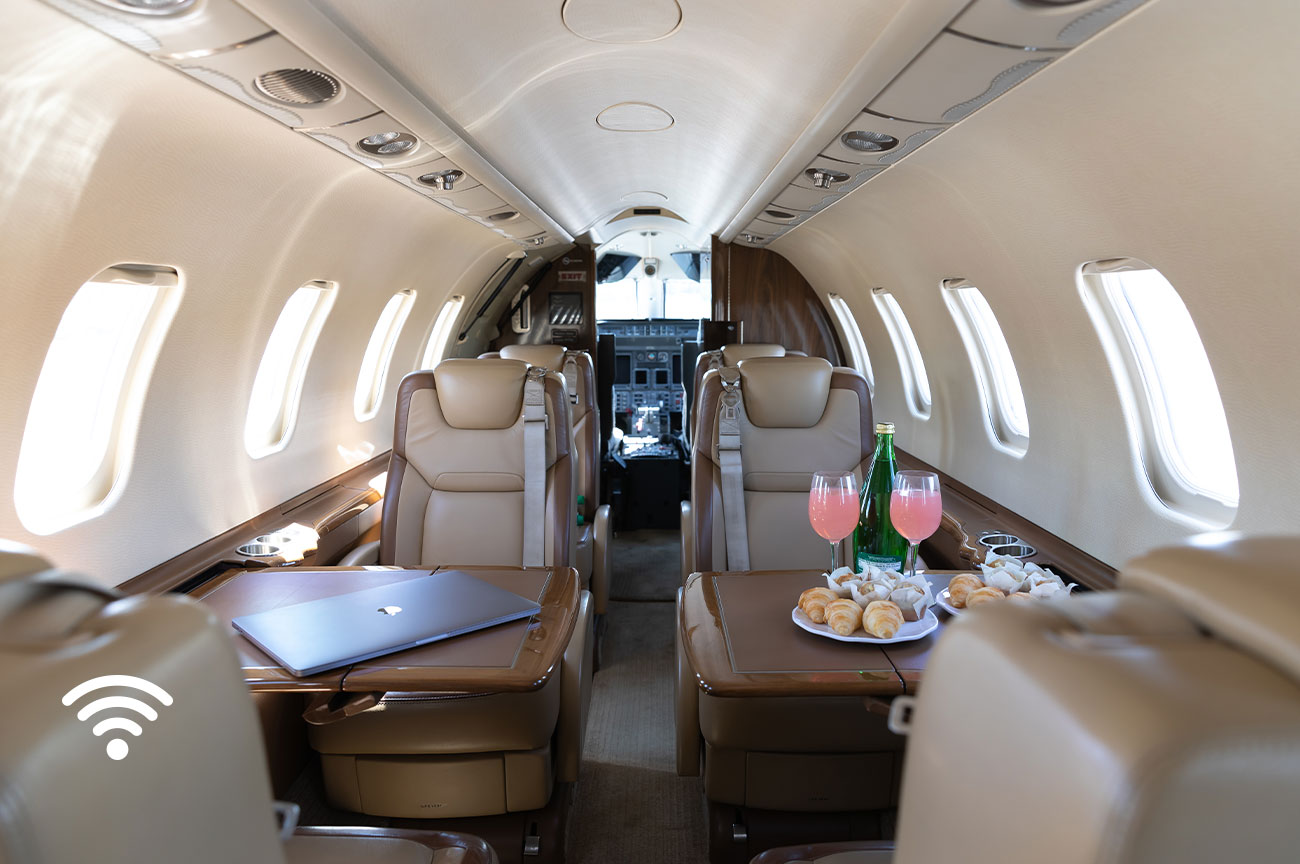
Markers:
117,748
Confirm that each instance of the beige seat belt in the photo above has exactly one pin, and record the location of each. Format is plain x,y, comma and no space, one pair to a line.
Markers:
535,467
571,377
730,407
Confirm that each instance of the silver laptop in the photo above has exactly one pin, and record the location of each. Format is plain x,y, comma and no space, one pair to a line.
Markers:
334,631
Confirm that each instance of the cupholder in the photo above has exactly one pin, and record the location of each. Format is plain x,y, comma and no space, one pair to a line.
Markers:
259,550
1015,550
274,539
989,540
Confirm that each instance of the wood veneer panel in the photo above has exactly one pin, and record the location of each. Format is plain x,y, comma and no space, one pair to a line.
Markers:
574,272
770,296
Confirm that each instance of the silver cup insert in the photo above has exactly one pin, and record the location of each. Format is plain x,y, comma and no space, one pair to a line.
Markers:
989,540
274,539
259,550
1015,550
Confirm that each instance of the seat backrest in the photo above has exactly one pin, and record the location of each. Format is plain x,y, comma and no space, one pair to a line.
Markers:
801,415
727,355
583,417
455,491
1157,723
192,785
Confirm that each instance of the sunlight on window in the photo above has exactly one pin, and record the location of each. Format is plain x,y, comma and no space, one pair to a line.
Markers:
277,389
379,355
1167,387
443,328
990,356
915,383
853,337
642,298
81,427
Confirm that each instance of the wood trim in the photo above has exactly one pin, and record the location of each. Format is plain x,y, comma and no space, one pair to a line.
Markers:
968,514
326,507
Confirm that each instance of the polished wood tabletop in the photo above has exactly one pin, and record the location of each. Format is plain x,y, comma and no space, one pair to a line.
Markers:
517,656
737,633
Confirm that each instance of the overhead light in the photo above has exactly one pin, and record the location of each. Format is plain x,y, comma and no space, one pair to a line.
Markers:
537,241
751,238
387,143
443,180
297,86
868,142
503,216
823,178
150,7
778,214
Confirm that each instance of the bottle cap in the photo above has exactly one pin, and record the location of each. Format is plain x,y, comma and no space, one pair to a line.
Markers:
884,428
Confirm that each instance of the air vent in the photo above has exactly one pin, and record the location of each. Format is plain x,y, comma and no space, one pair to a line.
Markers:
297,86
778,214
646,211
150,7
503,216
822,178
444,180
868,142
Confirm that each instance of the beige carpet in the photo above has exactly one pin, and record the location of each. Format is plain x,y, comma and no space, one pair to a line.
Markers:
631,805
647,565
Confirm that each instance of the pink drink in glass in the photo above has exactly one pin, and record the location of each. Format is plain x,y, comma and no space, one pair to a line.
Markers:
833,512
915,512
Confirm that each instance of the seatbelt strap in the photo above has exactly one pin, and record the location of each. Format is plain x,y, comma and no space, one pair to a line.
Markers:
534,467
571,377
730,407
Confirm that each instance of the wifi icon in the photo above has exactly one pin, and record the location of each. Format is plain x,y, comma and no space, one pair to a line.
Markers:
117,747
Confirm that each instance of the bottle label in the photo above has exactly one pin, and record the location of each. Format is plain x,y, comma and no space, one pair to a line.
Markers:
883,562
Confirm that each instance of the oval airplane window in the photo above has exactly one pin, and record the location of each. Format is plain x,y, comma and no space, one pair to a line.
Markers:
916,384
995,371
853,338
379,355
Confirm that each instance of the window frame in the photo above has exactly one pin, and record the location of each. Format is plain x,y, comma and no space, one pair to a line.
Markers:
853,338
260,440
43,506
916,383
441,331
986,352
1151,433
378,357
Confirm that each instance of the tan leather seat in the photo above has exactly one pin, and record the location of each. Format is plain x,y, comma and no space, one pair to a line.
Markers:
455,496
800,415
593,534
1157,723
192,785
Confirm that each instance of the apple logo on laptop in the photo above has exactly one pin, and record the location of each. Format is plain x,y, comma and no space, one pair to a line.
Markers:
389,610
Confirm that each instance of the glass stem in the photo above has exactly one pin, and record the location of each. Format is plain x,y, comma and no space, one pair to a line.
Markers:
835,556
910,566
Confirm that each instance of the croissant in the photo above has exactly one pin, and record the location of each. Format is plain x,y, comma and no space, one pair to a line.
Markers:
882,619
813,603
983,595
844,616
960,586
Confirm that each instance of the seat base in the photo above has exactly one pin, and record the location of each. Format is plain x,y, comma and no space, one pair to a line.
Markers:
737,834
385,846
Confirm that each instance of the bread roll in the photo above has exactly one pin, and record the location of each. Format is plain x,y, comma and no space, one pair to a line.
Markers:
882,619
844,616
983,595
960,586
813,603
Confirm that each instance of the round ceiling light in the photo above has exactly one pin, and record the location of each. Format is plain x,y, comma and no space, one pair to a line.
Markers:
297,86
503,216
868,142
149,7
602,21
634,117
387,143
444,180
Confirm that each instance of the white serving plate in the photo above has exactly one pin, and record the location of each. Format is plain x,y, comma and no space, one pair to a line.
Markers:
944,601
910,631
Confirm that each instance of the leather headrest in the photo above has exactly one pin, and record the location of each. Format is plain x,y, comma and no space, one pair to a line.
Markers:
1244,590
480,394
785,392
733,354
548,356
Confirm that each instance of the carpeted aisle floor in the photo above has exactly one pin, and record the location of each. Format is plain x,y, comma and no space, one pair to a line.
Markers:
647,565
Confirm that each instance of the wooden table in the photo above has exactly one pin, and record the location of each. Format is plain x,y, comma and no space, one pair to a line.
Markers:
513,657
736,631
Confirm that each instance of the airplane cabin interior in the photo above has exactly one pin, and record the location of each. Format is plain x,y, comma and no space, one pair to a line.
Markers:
649,431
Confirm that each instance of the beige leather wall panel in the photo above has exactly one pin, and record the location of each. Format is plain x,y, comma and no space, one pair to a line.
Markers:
1104,153
107,157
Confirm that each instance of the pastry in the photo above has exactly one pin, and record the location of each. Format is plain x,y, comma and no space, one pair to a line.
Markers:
1019,595
1006,579
911,600
843,616
882,619
960,586
983,595
813,603
865,592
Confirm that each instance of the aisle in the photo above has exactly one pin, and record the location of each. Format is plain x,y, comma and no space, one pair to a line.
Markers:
631,805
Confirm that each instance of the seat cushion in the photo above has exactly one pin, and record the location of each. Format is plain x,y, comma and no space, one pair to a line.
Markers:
432,723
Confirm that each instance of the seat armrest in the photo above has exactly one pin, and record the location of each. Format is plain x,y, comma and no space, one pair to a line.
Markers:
850,852
366,553
686,701
602,559
575,694
688,542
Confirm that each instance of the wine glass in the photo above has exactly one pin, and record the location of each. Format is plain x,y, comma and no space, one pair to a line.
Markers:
833,508
915,509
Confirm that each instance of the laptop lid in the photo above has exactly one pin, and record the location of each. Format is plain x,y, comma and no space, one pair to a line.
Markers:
311,637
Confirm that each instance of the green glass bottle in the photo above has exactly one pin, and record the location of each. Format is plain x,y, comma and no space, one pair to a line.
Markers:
876,541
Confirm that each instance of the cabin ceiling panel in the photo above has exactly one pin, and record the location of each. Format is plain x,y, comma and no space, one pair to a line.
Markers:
1102,155
740,84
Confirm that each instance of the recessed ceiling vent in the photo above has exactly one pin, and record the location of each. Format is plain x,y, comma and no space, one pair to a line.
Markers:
634,117
297,86
647,211
150,7
868,142
503,216
778,214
